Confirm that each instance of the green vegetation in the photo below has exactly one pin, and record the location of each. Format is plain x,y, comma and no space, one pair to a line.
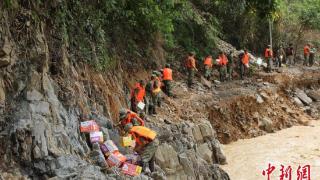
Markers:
102,31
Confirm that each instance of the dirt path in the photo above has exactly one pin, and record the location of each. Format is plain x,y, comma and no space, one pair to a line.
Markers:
299,145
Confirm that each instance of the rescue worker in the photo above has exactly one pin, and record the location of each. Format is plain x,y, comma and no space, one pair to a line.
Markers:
289,55
137,95
280,56
230,65
126,116
245,59
191,67
153,90
306,53
268,54
207,66
146,145
223,61
167,79
159,84
312,56
148,99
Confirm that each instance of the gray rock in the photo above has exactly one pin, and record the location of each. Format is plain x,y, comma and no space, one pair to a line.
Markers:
303,97
166,157
34,95
207,131
259,99
216,82
205,82
186,164
218,155
314,95
297,102
265,124
40,107
218,173
205,153
197,135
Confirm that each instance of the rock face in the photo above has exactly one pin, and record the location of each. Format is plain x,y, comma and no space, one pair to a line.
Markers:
191,152
44,97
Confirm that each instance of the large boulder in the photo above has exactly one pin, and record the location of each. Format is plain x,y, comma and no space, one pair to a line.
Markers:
265,124
167,159
303,97
205,153
314,95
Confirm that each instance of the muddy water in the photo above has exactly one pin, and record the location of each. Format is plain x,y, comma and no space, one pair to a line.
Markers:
299,145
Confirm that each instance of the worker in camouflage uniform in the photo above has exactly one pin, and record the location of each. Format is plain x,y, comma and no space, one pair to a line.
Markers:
230,65
223,61
190,64
312,56
146,145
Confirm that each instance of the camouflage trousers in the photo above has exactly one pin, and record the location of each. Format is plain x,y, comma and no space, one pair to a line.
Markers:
190,76
207,72
167,87
223,73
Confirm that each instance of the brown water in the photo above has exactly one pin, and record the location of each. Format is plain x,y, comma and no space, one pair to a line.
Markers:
299,145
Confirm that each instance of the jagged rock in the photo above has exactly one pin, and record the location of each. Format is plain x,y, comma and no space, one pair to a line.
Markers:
167,158
218,173
186,164
314,95
205,153
207,131
216,82
218,154
259,99
298,102
303,97
205,82
265,124
197,135
34,95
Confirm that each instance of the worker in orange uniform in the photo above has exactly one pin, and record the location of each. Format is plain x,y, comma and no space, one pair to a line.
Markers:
207,66
146,145
268,54
126,116
244,63
137,95
191,67
167,79
223,61
306,53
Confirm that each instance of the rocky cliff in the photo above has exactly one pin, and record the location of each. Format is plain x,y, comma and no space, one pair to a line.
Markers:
44,92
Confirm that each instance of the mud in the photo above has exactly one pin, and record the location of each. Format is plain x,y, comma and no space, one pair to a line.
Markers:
296,146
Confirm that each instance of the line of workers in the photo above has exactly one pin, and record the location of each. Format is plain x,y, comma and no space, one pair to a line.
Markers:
132,121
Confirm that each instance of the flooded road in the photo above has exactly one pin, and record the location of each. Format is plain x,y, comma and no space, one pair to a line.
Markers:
296,146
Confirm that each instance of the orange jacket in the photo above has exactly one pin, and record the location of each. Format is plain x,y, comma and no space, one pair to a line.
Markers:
190,62
223,60
138,92
306,50
268,53
245,58
167,74
208,61
130,116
